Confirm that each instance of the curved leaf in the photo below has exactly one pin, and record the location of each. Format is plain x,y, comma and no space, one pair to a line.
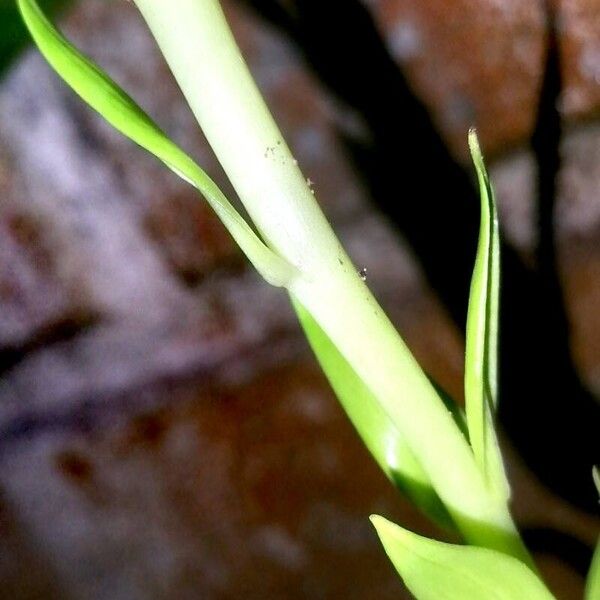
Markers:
481,360
592,585
376,429
434,570
108,99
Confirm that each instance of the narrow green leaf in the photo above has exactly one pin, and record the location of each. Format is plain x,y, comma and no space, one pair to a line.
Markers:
481,361
375,428
105,96
434,570
592,586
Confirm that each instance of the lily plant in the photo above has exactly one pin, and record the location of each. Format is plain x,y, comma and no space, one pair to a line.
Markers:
448,463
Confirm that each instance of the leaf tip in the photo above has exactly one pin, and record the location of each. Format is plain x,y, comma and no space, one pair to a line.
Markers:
377,520
475,147
389,532
383,527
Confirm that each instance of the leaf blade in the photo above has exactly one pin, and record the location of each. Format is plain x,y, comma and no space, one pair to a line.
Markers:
592,584
481,355
379,434
435,570
98,90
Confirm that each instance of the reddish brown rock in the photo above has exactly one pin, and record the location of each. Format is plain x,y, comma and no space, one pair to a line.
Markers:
260,491
578,26
37,303
472,63
479,63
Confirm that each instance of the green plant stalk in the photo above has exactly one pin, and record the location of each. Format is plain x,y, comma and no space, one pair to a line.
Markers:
199,47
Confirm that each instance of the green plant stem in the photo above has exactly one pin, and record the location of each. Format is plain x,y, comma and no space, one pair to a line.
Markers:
199,47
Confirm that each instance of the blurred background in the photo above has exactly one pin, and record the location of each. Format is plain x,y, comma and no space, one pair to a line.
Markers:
164,430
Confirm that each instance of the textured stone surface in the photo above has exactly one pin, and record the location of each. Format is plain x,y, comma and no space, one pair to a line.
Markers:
223,493
473,62
578,24
36,304
479,62
579,219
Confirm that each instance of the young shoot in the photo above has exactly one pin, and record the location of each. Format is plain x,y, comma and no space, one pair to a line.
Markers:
456,479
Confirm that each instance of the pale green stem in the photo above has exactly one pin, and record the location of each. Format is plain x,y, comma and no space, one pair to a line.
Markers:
199,47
